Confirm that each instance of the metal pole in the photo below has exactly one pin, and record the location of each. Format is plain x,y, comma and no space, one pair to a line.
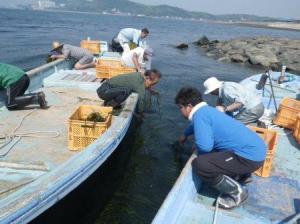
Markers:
271,84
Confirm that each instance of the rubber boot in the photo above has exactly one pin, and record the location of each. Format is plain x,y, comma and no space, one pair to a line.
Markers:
243,179
31,98
41,100
20,102
233,194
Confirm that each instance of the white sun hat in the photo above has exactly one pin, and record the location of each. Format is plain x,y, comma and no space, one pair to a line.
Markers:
211,84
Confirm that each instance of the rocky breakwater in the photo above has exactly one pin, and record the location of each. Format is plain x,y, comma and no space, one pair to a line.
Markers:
266,52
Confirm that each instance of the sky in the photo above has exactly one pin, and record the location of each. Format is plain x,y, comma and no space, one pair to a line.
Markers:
273,8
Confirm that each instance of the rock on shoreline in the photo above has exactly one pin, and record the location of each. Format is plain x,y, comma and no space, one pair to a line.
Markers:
182,46
266,52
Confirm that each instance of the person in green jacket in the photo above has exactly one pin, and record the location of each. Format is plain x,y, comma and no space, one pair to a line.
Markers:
15,81
116,90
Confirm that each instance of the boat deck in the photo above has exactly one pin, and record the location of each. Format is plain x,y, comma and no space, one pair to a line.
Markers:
271,200
33,156
54,151
275,199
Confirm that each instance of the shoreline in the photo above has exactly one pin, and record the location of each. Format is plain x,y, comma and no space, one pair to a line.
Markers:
255,51
292,26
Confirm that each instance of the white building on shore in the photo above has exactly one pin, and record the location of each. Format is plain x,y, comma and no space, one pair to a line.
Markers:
42,5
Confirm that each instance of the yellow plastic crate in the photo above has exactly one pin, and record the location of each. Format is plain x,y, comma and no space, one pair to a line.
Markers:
91,45
107,72
287,113
108,63
270,139
81,133
296,132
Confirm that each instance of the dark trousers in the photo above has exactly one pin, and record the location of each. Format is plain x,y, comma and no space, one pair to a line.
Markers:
211,166
115,45
107,93
15,98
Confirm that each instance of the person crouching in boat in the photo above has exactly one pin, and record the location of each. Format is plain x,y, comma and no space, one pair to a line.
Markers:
121,42
65,51
15,81
235,100
116,90
136,57
226,148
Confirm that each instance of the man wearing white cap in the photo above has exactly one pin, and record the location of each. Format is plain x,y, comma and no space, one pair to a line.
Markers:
235,100
136,58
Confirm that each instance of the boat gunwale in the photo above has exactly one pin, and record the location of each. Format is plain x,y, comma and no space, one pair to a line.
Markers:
170,199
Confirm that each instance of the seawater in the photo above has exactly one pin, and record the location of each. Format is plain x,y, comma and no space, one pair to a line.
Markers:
25,40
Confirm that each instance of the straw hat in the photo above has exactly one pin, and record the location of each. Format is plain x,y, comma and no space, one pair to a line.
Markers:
56,45
211,84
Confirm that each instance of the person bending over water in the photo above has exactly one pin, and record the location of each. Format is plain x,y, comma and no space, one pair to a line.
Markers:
225,147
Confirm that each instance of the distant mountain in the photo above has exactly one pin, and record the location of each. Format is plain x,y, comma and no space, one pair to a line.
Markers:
125,6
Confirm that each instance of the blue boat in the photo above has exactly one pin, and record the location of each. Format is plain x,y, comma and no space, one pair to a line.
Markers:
275,199
38,171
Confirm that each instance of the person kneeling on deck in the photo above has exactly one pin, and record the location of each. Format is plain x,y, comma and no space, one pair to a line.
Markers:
136,57
66,51
116,90
226,148
16,82
235,100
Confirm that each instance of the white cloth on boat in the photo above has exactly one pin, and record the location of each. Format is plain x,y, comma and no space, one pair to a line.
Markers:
127,57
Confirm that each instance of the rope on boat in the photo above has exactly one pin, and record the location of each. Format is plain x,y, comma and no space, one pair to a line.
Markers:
273,127
17,186
16,137
268,119
216,210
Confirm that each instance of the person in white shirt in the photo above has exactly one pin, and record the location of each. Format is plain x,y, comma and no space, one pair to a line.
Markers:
235,100
128,35
136,58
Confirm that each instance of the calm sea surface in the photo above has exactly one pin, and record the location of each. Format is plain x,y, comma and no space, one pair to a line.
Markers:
25,40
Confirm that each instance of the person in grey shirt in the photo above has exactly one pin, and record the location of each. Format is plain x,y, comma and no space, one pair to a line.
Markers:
84,58
235,100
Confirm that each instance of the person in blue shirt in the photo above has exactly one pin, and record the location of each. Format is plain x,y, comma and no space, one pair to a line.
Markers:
225,147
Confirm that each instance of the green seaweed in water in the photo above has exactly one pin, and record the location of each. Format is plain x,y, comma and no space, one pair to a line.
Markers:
152,103
95,117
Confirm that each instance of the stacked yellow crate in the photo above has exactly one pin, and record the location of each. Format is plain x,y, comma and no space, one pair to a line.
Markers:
106,69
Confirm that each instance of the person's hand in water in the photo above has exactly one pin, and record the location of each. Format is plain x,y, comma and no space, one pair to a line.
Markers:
139,115
194,149
152,91
182,139
178,145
